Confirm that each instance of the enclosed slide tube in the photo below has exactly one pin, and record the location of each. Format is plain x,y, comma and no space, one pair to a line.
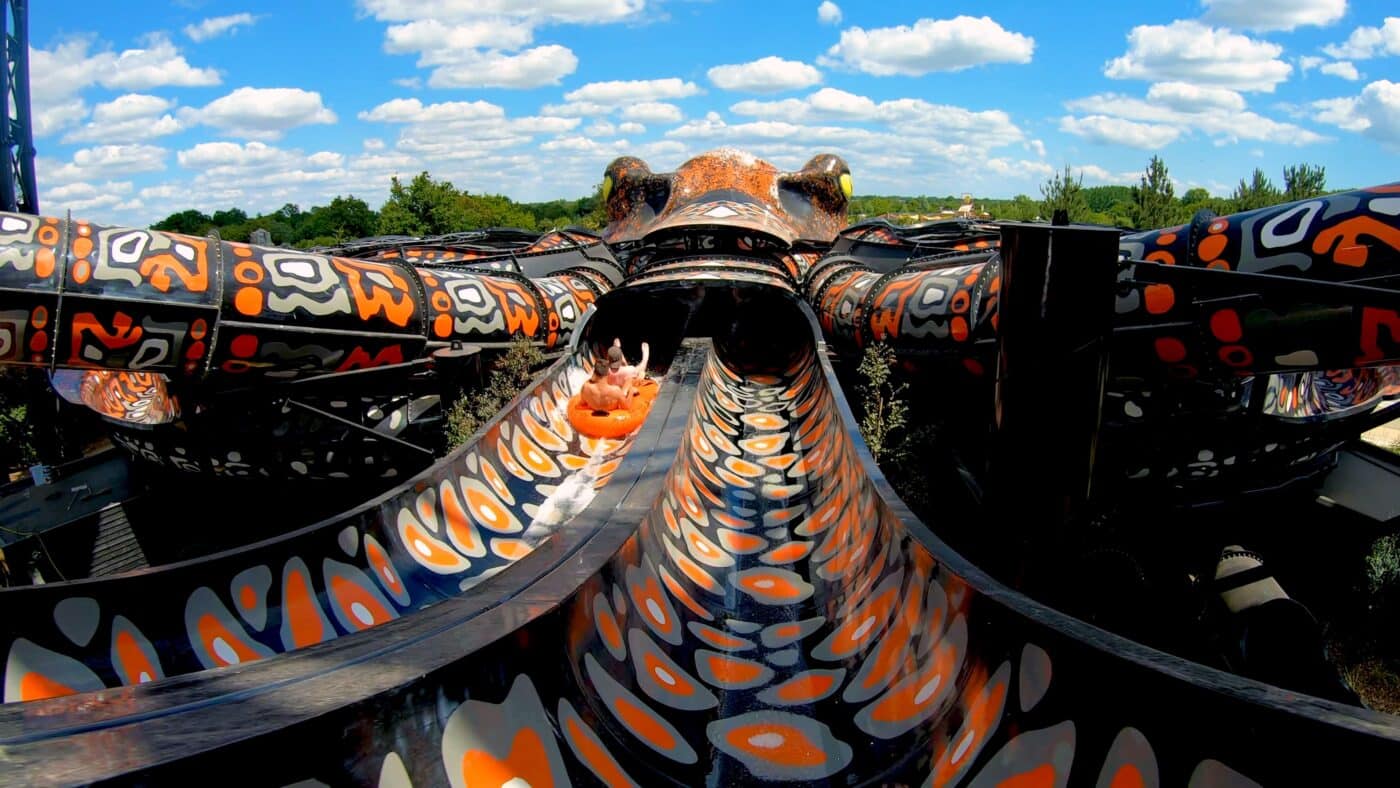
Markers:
757,607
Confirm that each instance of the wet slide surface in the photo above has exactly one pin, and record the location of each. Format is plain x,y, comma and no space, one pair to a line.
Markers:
747,602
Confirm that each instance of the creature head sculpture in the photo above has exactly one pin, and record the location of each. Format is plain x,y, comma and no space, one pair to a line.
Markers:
728,189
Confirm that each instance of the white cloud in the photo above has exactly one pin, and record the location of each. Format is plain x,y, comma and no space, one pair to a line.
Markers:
1275,15
160,63
652,112
576,109
1375,112
133,117
1188,51
474,43
100,162
829,13
631,127
1103,129
532,68
988,128
82,197
1185,97
765,75
219,25
1037,147
412,83
53,118
1221,121
1022,168
373,144
601,128
929,45
1368,42
1096,174
264,113
1343,69
411,110
439,42
636,90
1307,63
555,11
57,76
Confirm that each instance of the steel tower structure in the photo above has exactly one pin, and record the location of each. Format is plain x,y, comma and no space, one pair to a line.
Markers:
17,189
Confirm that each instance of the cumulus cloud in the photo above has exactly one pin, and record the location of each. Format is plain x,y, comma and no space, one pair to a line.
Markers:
99,163
481,43
929,45
1096,174
219,25
1189,51
1342,68
263,113
1219,114
532,68
616,92
829,13
1117,131
1275,15
59,75
765,75
1307,63
133,117
411,110
1375,112
1185,97
652,112
905,115
552,11
1368,42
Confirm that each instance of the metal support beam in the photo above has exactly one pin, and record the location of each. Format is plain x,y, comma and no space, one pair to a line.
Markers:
1055,317
18,190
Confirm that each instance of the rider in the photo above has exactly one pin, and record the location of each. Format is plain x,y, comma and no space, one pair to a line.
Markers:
613,381
622,375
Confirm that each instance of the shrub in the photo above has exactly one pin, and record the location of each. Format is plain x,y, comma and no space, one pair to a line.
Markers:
510,373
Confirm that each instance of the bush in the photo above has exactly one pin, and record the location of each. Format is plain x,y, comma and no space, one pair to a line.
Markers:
885,414
1383,563
510,374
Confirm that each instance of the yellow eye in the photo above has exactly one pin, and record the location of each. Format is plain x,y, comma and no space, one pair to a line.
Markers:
846,187
607,187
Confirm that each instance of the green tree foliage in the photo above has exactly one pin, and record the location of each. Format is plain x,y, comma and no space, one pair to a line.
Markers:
1064,193
885,413
188,222
1154,200
345,219
1258,192
17,438
511,373
1304,181
229,217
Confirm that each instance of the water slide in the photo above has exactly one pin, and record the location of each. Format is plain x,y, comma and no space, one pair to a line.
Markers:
744,601
733,594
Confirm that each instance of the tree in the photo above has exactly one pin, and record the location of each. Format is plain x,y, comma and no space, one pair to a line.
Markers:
1259,192
1064,193
228,218
346,218
1154,202
423,207
187,222
1303,182
1194,195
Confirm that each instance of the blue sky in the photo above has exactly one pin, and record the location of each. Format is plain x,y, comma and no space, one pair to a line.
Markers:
144,108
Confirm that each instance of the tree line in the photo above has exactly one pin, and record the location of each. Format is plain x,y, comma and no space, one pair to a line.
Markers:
422,206
427,206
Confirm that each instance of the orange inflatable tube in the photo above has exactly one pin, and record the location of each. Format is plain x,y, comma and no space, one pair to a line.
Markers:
616,423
